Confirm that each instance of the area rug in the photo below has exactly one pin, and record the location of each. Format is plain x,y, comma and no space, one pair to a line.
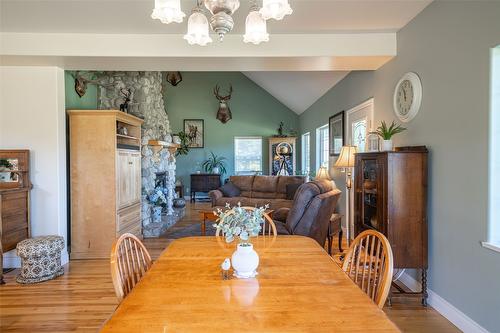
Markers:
189,231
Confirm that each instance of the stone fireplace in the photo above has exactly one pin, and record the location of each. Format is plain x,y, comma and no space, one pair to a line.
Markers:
146,103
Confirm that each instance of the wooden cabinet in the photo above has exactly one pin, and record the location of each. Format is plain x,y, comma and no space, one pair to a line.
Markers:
282,153
391,196
105,178
15,189
204,182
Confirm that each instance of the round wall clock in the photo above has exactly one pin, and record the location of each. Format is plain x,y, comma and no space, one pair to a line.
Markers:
407,97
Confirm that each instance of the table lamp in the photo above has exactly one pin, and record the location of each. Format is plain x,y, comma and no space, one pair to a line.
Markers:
322,173
346,160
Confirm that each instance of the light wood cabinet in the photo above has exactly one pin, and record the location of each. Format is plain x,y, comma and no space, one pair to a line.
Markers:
105,180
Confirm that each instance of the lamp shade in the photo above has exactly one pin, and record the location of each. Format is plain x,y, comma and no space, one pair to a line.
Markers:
346,158
168,11
275,9
198,29
322,173
256,28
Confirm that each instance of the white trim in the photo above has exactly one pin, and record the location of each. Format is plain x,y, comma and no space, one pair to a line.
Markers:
491,246
446,309
11,260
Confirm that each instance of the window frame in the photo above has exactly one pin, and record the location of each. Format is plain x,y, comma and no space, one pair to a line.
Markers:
318,146
247,172
493,237
306,159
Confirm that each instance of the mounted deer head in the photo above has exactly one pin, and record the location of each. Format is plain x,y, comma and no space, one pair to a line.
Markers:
224,113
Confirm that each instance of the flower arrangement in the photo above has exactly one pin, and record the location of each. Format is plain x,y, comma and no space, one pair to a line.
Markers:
240,222
158,197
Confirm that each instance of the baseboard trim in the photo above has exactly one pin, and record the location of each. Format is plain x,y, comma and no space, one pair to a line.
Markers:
11,260
446,309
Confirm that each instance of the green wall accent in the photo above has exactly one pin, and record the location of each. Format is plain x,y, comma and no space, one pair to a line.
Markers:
448,44
255,113
73,101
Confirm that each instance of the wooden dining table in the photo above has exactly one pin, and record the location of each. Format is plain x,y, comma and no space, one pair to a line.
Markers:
299,288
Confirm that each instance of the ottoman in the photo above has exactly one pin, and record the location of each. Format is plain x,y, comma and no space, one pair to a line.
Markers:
40,258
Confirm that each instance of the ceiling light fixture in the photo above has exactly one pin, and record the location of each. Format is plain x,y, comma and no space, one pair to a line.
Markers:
221,21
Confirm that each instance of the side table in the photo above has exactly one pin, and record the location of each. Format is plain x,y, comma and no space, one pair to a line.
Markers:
335,227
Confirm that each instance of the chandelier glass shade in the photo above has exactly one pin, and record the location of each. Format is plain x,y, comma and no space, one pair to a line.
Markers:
275,9
256,28
168,11
198,32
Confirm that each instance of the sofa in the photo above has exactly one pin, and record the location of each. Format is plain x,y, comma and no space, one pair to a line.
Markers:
310,213
257,191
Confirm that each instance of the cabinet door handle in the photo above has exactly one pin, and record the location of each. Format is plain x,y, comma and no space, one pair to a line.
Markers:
130,163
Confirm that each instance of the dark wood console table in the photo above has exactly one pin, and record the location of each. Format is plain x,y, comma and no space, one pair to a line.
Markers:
204,182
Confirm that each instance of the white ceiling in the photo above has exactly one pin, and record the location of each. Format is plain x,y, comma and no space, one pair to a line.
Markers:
297,90
133,16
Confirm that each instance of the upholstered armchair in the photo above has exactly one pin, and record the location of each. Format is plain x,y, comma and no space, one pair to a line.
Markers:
313,205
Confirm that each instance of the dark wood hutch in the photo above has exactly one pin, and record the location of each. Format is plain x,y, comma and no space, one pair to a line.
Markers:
390,196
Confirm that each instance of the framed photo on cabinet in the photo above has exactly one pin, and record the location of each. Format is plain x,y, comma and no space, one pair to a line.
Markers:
336,133
195,130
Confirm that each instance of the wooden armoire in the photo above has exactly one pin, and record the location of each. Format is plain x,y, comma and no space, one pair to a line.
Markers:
105,180
390,196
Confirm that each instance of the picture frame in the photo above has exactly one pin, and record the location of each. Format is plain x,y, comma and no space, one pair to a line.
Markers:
195,130
336,133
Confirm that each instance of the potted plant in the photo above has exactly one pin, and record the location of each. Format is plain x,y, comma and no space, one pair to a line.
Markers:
184,141
215,164
238,222
158,200
386,133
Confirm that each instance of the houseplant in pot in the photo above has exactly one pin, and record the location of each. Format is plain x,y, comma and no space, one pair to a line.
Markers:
215,164
159,201
243,223
386,133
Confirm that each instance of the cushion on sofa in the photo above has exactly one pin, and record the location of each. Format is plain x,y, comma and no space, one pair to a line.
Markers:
230,190
283,181
264,187
291,189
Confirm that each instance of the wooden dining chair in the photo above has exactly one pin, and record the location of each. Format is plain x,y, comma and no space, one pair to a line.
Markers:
369,263
268,227
130,260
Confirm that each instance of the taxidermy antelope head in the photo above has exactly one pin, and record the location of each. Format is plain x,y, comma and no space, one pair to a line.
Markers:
224,113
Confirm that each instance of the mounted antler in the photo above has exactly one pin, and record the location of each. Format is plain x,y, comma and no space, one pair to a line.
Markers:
224,113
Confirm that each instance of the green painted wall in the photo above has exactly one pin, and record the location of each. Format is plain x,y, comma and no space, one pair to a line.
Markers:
73,101
448,44
255,113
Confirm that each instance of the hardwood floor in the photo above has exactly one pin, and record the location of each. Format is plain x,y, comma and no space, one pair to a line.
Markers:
83,298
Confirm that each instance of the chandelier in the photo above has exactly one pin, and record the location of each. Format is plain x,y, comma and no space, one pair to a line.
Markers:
221,21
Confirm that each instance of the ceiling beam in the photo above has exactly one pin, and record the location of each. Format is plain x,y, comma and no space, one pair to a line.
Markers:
363,51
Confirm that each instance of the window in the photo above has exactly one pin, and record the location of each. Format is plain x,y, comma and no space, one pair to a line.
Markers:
247,155
322,150
494,147
306,153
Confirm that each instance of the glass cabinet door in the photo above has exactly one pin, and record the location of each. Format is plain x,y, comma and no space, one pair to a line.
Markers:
369,194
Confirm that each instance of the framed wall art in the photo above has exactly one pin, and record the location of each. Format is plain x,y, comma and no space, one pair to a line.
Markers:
195,131
336,133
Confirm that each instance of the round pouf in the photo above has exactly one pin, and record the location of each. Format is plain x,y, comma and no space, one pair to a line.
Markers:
40,258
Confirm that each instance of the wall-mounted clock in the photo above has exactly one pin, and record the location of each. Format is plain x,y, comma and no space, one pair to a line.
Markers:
407,97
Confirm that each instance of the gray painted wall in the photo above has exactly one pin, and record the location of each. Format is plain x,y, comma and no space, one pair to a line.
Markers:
448,45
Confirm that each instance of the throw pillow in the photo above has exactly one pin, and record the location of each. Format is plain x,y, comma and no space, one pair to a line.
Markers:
290,190
230,190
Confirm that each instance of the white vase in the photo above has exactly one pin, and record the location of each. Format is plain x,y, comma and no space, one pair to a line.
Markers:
215,170
386,145
245,261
